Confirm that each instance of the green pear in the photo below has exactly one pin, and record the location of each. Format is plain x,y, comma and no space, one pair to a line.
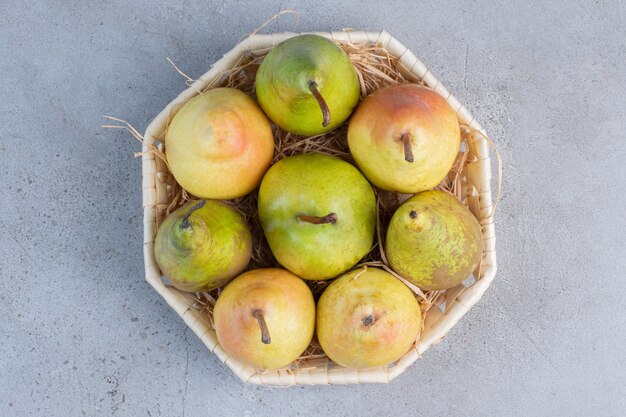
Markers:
367,318
265,318
203,245
318,214
433,241
307,85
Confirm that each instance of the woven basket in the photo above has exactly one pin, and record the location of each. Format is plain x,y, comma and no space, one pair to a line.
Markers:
453,304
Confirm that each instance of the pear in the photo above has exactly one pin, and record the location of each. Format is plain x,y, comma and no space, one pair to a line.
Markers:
265,318
307,85
433,241
219,144
367,318
318,214
203,245
404,138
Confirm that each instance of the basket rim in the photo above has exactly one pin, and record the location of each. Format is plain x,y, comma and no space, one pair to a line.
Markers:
153,196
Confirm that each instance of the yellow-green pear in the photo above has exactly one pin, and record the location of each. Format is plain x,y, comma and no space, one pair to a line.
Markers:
219,144
318,214
367,318
307,85
265,318
404,138
433,241
203,245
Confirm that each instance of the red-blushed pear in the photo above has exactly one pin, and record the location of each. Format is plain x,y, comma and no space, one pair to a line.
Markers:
202,245
318,214
307,85
367,318
433,241
404,138
219,144
265,318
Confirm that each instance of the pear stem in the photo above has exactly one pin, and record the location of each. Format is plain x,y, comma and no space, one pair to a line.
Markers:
322,103
185,223
408,151
329,218
265,333
369,320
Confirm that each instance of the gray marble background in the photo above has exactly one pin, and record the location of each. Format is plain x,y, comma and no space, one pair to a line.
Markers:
83,334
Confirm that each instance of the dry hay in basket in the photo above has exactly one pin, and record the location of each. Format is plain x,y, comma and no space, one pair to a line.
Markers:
376,68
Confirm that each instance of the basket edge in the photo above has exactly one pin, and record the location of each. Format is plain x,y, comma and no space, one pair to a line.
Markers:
152,197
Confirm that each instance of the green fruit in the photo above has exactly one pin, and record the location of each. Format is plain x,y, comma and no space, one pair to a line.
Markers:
433,241
307,85
265,318
318,214
367,318
203,245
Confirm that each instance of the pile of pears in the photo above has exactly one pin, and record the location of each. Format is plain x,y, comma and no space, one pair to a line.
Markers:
318,212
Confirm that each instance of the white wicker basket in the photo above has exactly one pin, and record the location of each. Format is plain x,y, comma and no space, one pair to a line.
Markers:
438,321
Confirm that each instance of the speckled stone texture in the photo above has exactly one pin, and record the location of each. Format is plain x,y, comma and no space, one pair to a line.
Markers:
83,334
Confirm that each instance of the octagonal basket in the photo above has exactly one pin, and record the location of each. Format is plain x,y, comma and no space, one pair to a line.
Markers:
452,304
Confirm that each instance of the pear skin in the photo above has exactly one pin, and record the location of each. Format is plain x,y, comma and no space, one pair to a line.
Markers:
318,214
404,138
307,85
265,318
219,144
433,241
367,318
203,245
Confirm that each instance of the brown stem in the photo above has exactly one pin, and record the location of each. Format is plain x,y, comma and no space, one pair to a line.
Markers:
369,320
265,333
408,151
329,218
185,223
322,103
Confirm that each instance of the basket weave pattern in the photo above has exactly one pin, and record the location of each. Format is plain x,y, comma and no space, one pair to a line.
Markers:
476,182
